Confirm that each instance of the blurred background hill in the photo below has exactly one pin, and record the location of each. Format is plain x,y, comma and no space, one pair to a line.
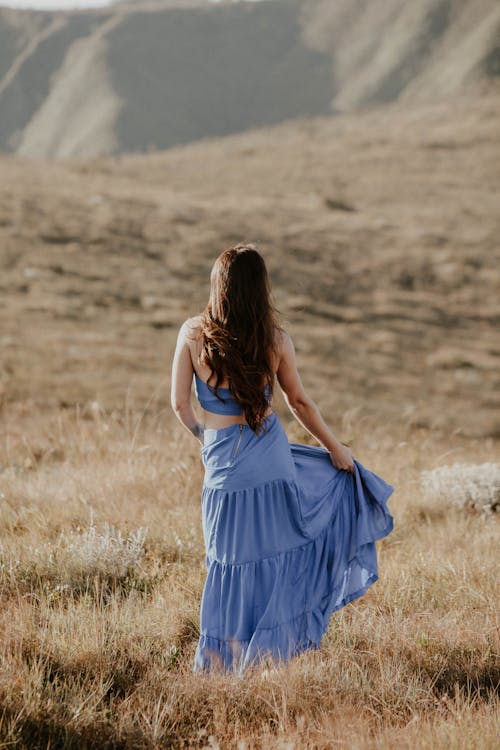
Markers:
136,76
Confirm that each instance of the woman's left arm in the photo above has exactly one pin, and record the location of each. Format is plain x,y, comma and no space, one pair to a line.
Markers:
182,378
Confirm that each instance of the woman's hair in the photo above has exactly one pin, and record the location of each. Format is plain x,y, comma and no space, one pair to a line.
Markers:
238,328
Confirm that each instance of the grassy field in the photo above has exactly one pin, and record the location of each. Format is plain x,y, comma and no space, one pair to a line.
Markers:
381,232
101,577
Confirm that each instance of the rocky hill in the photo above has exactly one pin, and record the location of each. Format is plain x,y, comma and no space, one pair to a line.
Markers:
141,76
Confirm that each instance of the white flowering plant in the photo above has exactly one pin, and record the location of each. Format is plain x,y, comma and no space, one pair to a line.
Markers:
77,560
473,487
107,551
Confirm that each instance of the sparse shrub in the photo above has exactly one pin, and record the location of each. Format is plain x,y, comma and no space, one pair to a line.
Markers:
473,487
338,204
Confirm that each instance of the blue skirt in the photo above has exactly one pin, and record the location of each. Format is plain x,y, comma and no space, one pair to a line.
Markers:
289,539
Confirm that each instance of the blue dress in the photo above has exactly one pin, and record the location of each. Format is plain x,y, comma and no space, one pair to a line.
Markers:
289,539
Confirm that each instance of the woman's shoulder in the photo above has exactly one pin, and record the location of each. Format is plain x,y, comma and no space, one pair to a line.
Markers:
191,328
282,339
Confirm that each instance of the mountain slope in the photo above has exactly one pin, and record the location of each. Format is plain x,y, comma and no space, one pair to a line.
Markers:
140,76
389,49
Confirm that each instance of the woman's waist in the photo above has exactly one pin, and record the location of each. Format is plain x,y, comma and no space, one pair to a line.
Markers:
235,457
214,421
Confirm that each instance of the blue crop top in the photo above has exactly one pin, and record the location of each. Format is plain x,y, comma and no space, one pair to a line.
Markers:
209,401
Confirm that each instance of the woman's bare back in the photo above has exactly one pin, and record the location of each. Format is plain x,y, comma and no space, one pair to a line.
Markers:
203,371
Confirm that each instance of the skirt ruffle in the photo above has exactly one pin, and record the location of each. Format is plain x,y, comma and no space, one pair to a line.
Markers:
284,553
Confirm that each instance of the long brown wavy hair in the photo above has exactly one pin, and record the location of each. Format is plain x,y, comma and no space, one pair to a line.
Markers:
238,328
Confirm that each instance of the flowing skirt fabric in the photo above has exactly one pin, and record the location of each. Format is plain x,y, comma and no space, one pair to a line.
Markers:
289,539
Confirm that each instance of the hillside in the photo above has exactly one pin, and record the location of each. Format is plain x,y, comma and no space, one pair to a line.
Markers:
147,76
381,232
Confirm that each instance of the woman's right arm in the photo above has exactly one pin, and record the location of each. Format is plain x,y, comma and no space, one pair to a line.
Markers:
182,377
305,410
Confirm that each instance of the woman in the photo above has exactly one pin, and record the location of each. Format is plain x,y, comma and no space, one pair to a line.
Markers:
289,529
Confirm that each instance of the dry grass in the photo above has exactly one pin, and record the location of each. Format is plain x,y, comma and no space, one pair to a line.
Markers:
99,623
